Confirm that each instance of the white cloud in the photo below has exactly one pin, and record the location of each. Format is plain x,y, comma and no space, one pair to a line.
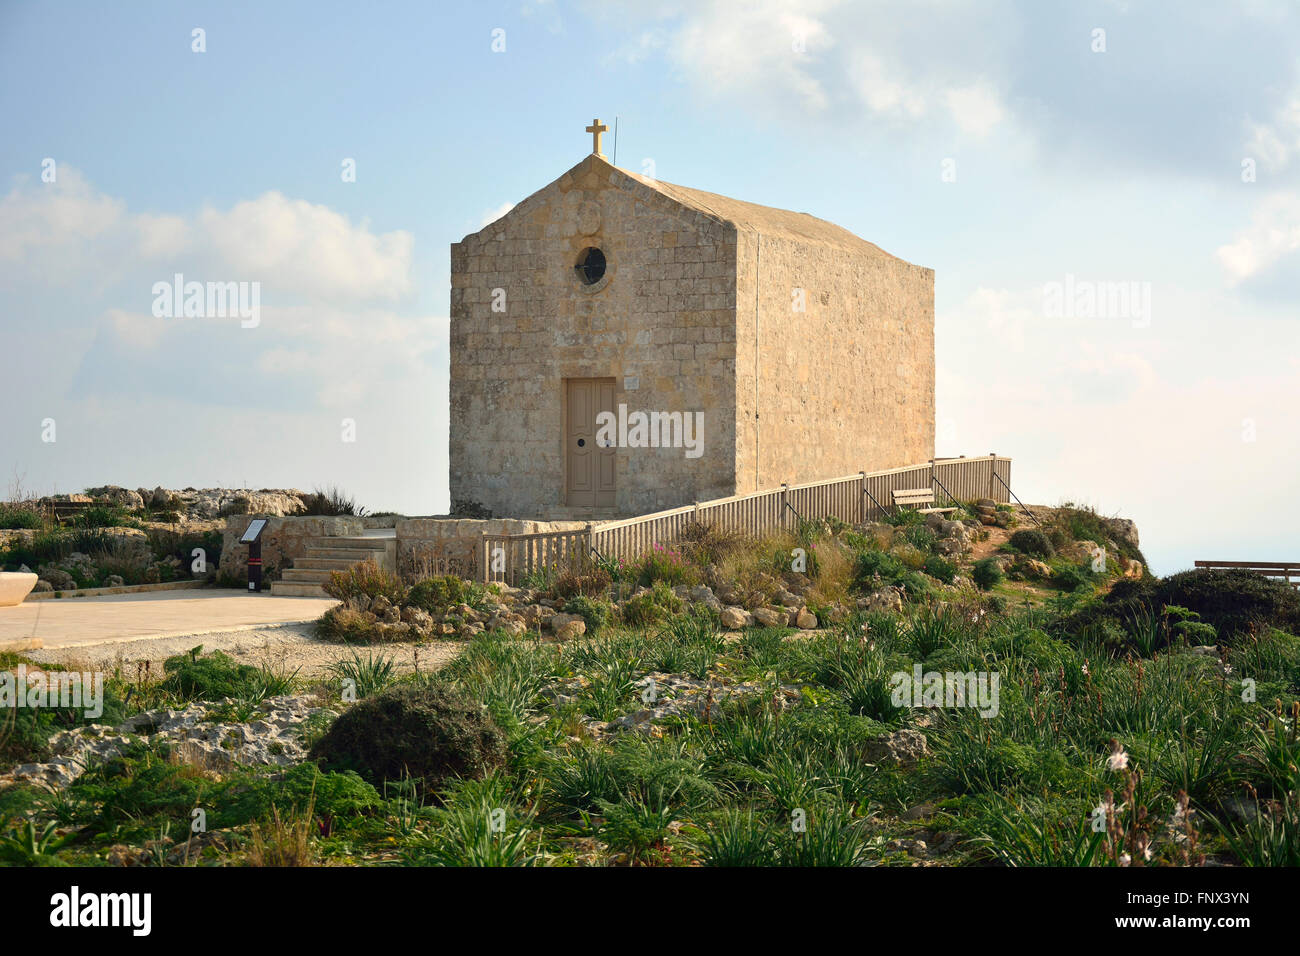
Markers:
1276,142
293,247
1273,234
976,109
37,217
309,248
758,49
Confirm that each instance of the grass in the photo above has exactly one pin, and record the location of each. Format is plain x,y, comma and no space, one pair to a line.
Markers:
1100,753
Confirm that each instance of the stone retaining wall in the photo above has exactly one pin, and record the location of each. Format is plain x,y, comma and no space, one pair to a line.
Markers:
283,540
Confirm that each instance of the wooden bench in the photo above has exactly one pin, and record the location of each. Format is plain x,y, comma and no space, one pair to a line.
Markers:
1286,570
915,498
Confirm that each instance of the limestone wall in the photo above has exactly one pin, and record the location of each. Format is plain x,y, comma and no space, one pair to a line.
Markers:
282,540
661,324
845,386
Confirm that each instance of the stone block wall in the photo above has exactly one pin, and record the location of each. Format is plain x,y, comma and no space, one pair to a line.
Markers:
846,385
661,323
282,540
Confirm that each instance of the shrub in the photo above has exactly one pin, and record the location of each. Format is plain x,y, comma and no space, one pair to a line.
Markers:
436,594
330,502
428,732
871,563
986,573
1031,542
214,677
1074,523
104,516
25,731
1070,578
53,546
706,544
1233,601
570,583
666,565
595,613
920,537
940,569
348,624
651,606
368,579
18,516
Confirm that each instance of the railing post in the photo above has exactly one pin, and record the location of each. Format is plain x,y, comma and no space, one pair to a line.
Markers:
785,500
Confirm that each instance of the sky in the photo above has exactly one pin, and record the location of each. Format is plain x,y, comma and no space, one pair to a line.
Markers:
1108,192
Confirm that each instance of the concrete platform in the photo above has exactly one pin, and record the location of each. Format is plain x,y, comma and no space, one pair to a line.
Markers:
127,617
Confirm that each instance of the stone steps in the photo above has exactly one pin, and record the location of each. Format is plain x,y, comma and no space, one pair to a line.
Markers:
325,564
323,557
292,589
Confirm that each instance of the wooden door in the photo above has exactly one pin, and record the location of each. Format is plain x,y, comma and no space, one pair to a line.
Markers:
588,470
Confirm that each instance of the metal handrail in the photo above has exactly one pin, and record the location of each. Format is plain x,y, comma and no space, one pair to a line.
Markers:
1033,517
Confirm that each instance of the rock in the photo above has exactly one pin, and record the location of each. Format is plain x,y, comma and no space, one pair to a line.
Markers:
902,748
921,811
1080,551
786,598
766,617
121,497
1133,569
805,619
1241,809
198,735
886,599
418,618
702,592
379,605
1124,529
567,626
114,581
733,618
950,547
43,586
1037,570
537,615
58,579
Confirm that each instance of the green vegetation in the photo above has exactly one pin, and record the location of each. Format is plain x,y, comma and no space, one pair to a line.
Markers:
1168,707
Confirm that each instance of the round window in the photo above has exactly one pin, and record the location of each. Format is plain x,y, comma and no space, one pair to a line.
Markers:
590,266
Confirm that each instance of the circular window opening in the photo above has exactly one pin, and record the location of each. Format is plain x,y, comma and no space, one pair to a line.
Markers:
590,266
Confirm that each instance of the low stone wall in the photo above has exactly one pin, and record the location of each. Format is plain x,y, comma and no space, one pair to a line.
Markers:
428,546
283,540
424,546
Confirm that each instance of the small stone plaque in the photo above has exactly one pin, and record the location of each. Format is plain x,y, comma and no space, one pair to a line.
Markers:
631,383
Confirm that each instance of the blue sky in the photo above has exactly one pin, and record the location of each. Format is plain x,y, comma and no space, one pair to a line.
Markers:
1115,165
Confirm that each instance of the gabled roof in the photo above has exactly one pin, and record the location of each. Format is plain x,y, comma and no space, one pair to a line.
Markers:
748,216
762,219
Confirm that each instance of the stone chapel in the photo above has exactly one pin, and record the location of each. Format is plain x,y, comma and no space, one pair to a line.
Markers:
622,345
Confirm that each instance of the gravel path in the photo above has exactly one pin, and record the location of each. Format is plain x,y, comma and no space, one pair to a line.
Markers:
283,647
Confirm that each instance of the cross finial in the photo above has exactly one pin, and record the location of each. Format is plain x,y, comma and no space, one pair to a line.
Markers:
595,129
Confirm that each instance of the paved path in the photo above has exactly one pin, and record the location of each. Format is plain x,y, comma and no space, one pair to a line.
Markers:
80,622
